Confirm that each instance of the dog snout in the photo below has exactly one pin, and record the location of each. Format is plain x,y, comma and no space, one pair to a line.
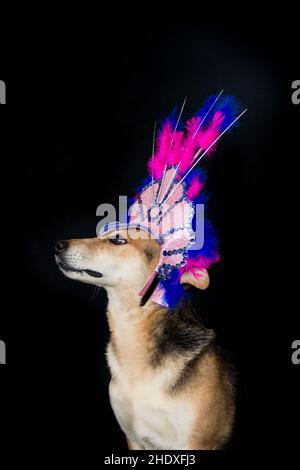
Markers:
61,246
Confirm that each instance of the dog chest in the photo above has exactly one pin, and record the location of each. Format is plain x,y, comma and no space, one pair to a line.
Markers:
148,416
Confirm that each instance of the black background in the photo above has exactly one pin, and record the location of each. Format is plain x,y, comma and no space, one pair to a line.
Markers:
78,128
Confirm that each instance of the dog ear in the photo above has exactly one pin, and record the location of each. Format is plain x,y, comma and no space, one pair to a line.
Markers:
199,279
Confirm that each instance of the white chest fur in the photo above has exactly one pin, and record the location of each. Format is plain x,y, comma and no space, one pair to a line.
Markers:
150,417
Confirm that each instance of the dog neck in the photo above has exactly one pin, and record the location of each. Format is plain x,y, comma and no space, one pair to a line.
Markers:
124,309
131,325
152,338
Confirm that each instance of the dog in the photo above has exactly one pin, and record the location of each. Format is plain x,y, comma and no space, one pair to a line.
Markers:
170,386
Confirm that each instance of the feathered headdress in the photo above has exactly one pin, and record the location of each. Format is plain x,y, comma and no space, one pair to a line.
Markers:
165,205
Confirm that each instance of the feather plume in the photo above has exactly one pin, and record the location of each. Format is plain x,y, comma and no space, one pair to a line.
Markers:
207,106
194,187
174,147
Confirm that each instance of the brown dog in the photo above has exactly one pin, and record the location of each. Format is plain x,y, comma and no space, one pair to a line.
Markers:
170,388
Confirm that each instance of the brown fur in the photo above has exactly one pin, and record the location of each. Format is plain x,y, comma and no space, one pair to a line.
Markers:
151,346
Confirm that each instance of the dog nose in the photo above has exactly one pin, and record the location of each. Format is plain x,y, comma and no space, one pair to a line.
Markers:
61,246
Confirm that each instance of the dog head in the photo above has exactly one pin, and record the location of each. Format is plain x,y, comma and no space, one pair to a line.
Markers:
120,258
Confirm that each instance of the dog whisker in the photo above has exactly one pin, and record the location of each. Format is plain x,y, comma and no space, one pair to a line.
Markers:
94,294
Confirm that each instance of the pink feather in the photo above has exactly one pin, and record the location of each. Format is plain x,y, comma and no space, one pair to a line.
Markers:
194,188
207,136
184,147
189,145
201,262
176,149
156,164
191,126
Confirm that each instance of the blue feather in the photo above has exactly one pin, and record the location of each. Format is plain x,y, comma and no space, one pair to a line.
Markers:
172,117
201,174
231,108
210,239
174,292
206,106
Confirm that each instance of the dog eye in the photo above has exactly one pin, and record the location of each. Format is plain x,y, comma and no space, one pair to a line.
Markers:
117,240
